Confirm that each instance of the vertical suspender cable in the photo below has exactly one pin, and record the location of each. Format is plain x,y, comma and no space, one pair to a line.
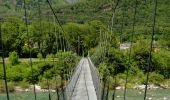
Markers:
57,20
114,10
26,23
4,66
40,21
100,44
49,94
103,58
78,49
57,37
129,62
61,46
63,43
112,20
151,46
56,88
122,23
60,37
40,31
108,88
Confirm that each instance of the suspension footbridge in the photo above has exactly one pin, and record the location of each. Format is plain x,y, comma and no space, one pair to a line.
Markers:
82,86
54,42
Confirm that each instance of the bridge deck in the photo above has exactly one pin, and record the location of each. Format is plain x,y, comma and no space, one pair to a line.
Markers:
84,89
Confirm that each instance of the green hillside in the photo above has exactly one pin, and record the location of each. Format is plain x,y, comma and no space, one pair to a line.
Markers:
102,10
82,11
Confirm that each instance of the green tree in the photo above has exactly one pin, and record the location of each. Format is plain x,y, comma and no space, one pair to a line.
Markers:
161,63
141,54
40,57
13,58
13,32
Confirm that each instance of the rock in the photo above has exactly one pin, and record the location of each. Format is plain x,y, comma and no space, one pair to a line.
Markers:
140,87
18,89
118,88
164,98
149,98
37,88
44,90
153,87
140,92
27,90
52,90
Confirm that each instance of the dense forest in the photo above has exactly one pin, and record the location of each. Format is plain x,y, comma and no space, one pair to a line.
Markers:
87,28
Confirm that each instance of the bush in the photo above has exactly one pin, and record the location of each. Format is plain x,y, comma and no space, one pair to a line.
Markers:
1,72
140,54
49,57
11,86
13,58
161,62
23,84
40,57
103,70
2,86
156,78
16,73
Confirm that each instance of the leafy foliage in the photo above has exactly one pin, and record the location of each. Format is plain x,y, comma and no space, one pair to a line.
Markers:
13,58
39,56
87,30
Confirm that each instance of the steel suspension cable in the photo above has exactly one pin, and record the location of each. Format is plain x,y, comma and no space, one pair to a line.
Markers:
60,41
131,44
57,20
63,43
57,37
30,53
106,81
122,23
40,18
112,20
4,65
56,41
100,44
49,93
107,56
40,31
113,14
151,46
62,76
102,60
56,17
